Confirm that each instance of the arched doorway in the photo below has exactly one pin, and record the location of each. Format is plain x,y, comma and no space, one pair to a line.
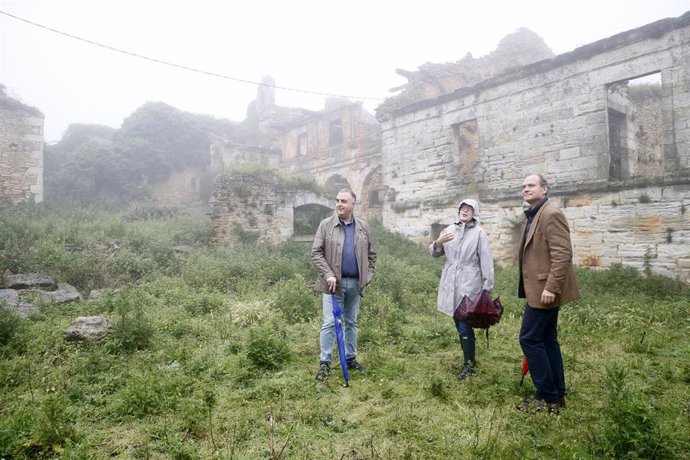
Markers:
307,218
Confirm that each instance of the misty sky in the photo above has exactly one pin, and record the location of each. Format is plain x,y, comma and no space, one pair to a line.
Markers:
349,48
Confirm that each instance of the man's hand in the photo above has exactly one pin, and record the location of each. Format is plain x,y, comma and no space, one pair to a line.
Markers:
547,297
331,282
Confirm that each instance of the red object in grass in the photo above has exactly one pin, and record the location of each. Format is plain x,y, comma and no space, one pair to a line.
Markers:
525,369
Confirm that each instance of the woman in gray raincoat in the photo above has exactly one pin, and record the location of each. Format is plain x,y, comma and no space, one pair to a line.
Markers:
468,270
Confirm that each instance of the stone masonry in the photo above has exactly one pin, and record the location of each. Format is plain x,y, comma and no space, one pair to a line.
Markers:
21,151
339,147
619,169
258,207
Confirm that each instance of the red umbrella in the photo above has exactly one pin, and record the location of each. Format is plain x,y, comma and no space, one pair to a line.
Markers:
525,369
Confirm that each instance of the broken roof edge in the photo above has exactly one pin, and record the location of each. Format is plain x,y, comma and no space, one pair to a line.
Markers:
7,102
649,31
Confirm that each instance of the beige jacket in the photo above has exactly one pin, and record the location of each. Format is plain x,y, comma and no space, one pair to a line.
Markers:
327,250
469,266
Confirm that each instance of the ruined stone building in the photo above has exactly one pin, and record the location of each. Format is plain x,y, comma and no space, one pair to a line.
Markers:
340,147
21,151
606,123
336,147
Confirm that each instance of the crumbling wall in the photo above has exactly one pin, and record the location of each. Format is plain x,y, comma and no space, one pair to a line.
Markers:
430,80
552,117
356,158
21,151
258,207
186,186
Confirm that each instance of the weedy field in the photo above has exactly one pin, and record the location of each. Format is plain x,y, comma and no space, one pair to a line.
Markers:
214,354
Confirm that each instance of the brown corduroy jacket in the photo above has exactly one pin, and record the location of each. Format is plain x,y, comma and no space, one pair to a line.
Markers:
546,259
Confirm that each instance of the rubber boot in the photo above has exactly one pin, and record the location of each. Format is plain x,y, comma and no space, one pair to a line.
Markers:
468,346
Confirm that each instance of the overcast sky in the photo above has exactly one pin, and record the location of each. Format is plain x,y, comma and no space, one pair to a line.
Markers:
349,48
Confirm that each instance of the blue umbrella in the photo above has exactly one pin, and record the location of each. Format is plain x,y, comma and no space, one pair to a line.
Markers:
337,313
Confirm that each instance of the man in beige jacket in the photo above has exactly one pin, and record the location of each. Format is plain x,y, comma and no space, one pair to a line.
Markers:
344,256
547,281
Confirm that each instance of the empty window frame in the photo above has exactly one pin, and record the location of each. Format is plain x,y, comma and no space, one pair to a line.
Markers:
302,144
467,140
635,127
335,132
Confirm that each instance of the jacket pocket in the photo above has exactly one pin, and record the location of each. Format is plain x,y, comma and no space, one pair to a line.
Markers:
542,276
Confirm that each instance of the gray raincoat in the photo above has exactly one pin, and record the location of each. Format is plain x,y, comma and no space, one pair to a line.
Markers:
469,266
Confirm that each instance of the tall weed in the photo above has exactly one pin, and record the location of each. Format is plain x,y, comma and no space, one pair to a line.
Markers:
12,331
633,429
133,330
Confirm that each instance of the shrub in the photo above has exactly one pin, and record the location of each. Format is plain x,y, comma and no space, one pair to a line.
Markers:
149,211
11,327
143,395
249,312
633,429
218,270
55,426
410,286
132,331
622,281
51,256
296,300
206,303
130,264
86,270
438,388
267,348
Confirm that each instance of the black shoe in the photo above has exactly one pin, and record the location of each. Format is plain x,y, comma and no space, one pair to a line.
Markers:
324,370
467,371
353,364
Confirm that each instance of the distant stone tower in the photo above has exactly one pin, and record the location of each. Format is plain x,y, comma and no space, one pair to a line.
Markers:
266,97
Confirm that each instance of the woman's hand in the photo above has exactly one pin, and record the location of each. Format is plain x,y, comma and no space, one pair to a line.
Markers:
444,237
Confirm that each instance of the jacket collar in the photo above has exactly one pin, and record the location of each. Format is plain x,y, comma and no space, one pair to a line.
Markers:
336,220
532,211
469,224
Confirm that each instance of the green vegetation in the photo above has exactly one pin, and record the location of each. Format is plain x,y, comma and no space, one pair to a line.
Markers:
97,164
214,353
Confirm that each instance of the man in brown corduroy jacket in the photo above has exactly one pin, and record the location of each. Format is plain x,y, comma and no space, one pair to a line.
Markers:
547,281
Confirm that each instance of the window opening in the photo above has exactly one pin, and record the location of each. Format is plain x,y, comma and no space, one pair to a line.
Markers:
336,132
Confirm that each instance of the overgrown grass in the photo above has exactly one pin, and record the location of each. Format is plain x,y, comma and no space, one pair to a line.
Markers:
214,354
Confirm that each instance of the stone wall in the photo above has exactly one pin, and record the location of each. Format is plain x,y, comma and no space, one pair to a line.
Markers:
21,151
187,186
354,161
555,117
257,207
644,227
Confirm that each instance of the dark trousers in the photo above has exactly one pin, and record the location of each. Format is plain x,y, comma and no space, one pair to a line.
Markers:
466,342
539,342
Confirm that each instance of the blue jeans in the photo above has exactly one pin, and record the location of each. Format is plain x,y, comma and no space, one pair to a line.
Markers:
348,297
539,342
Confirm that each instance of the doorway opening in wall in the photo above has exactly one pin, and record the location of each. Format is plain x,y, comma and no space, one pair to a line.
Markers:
307,218
436,230
635,127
